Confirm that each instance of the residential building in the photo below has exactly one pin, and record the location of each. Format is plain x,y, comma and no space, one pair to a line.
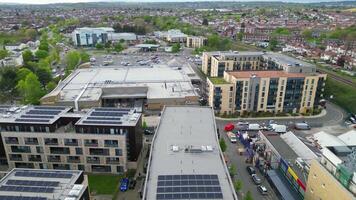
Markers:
196,41
265,91
334,177
91,36
216,63
185,160
43,184
156,86
54,137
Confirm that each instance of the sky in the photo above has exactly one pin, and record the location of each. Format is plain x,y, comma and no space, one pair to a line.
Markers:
77,1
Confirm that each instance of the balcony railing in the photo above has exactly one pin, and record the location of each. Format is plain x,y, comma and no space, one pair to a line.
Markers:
113,162
16,158
69,160
54,159
91,144
31,142
35,159
93,161
11,141
71,143
111,145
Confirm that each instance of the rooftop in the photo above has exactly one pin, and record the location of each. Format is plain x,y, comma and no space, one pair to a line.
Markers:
265,74
153,82
218,80
41,184
185,149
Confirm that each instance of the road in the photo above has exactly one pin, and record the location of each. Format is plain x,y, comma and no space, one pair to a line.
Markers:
242,174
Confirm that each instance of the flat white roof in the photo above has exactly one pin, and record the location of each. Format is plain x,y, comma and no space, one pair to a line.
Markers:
349,138
186,158
161,82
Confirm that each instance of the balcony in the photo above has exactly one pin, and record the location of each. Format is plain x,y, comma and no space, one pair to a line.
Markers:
31,142
112,161
11,141
99,152
35,158
93,161
15,157
89,144
59,150
54,159
73,159
71,143
111,145
20,149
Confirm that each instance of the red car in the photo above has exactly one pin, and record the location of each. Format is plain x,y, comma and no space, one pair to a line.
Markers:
229,127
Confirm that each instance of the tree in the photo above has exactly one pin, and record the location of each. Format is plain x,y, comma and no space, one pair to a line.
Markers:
238,185
84,56
240,36
144,125
232,170
175,48
3,53
222,145
22,73
73,59
307,34
50,86
99,46
41,54
248,196
43,72
273,43
44,45
118,47
7,83
205,22
27,56
30,89
341,61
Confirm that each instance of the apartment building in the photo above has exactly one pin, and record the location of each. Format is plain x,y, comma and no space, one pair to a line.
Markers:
214,64
54,137
196,41
185,159
43,184
334,176
262,91
91,36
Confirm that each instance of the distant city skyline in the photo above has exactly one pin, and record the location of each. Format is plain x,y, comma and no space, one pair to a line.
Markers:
84,1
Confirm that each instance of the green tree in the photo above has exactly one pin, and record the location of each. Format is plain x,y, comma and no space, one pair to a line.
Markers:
3,53
44,45
99,46
232,170
40,54
27,56
30,89
175,48
205,22
22,73
7,83
50,86
248,196
273,43
73,59
84,56
118,47
43,72
238,185
240,36
31,33
307,34
222,145
144,124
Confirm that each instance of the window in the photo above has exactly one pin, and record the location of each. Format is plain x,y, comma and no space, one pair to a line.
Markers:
118,152
79,151
39,149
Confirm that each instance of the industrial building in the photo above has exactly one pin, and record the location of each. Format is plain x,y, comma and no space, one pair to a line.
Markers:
43,184
155,85
91,36
185,158
105,140
214,64
172,36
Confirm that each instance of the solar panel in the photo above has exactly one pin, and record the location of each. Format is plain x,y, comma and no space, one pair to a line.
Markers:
43,174
26,189
33,183
43,112
38,116
107,113
3,197
100,122
105,118
189,186
113,109
49,108
32,120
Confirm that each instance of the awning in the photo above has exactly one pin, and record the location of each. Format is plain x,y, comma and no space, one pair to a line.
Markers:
281,185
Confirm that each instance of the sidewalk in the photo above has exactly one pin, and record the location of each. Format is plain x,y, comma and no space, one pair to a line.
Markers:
322,114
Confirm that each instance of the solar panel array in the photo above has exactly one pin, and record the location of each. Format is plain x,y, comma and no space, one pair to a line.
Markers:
40,114
33,183
26,189
189,186
106,116
43,174
2,197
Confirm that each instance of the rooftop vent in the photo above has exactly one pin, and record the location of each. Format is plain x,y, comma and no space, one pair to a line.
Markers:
175,148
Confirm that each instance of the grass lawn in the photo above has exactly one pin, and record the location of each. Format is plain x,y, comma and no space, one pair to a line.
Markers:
218,80
104,184
343,95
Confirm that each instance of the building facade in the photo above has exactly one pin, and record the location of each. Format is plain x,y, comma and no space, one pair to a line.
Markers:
214,64
91,36
196,41
265,91
105,140
334,176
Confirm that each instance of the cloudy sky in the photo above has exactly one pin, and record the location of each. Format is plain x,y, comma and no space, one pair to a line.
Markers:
76,1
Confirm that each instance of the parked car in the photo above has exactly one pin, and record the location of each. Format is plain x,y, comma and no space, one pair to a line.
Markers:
262,189
132,184
256,179
124,184
251,170
302,126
